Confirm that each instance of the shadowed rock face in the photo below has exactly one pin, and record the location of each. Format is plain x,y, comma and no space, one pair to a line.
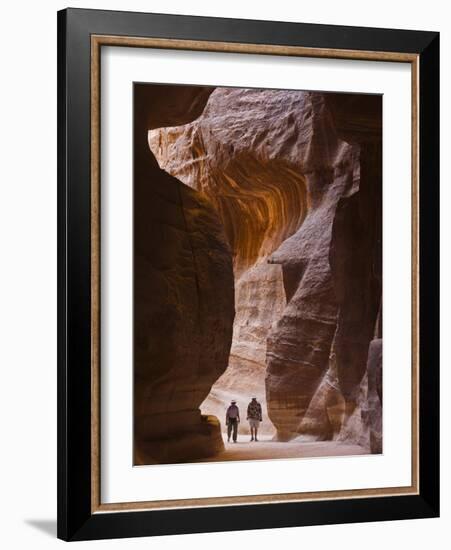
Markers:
355,259
183,299
295,178
356,262
357,117
364,425
156,106
372,416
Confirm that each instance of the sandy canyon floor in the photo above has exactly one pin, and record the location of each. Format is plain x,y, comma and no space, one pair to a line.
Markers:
265,449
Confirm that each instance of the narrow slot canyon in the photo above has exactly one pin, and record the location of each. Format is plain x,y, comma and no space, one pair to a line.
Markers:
257,272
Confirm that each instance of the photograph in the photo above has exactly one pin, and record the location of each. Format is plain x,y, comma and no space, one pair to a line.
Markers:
226,284
257,274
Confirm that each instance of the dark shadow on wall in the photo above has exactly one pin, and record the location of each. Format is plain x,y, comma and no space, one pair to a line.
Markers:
183,293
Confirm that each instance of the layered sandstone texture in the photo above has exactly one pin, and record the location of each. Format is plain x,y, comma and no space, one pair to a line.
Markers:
295,179
183,295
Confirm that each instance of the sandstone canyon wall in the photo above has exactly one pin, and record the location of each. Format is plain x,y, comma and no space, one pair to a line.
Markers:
183,294
295,179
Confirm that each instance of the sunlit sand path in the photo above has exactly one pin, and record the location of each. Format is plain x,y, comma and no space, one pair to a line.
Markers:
265,449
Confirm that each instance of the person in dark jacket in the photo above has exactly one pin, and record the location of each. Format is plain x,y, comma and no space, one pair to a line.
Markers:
254,416
232,421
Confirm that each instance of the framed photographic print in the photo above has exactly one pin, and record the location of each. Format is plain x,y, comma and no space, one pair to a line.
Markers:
248,274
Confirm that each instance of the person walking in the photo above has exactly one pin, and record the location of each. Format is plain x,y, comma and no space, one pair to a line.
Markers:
254,416
232,421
